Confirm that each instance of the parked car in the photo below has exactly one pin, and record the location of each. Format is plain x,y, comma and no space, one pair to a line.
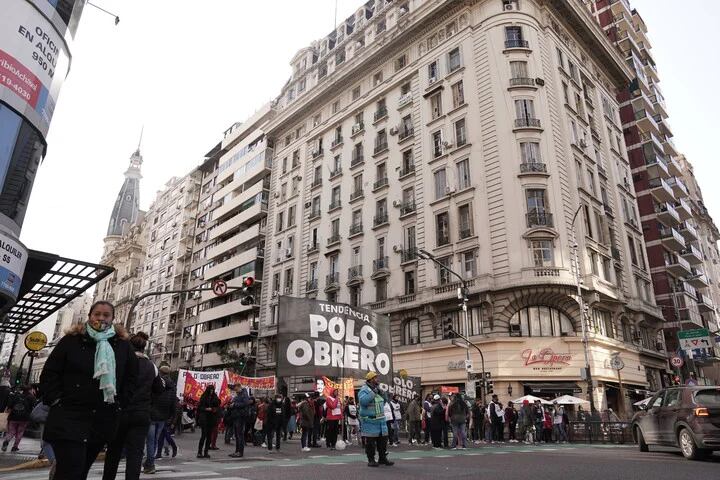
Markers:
685,417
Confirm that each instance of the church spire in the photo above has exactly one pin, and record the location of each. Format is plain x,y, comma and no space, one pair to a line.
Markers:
127,204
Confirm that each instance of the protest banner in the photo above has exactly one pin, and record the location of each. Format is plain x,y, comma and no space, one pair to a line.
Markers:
405,387
318,338
254,383
217,378
345,387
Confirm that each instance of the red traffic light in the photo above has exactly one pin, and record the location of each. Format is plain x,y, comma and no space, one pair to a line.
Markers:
248,281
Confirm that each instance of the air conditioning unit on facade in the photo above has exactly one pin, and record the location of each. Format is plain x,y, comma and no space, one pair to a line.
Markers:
394,131
288,252
449,189
396,203
397,248
447,144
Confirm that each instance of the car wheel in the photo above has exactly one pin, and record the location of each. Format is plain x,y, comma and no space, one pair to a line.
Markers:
689,449
641,440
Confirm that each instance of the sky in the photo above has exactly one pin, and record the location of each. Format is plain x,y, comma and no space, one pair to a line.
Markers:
186,74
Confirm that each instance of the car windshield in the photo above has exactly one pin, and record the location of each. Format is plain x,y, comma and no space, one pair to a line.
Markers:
708,398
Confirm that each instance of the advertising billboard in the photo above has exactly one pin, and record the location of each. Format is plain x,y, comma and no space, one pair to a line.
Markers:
34,61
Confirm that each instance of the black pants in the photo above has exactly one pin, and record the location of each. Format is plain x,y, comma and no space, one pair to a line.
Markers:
268,433
444,427
229,431
512,426
331,432
132,439
435,431
316,432
239,425
427,429
204,443
74,459
370,445
498,430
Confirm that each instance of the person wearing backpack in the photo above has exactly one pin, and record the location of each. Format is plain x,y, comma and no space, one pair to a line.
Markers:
19,407
458,413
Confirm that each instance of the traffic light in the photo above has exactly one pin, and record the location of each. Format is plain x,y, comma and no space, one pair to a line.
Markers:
242,360
488,386
247,291
448,328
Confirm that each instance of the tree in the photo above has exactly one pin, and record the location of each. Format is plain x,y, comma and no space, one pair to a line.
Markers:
235,361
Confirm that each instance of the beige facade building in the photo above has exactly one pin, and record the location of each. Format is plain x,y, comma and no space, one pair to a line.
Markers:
473,130
170,227
229,244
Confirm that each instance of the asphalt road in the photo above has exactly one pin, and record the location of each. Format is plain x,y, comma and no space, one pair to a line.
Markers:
497,462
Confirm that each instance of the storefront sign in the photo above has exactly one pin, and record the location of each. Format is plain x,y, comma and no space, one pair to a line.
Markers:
322,338
13,256
35,341
445,389
456,364
545,359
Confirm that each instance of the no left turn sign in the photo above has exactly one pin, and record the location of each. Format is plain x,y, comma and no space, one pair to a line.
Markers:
219,287
676,361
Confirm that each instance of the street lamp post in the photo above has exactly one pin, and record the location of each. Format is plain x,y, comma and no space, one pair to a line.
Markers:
581,301
462,295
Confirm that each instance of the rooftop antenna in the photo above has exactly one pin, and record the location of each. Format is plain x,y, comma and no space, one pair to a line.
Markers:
142,129
335,20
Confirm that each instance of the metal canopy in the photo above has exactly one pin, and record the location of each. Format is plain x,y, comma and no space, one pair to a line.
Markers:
49,283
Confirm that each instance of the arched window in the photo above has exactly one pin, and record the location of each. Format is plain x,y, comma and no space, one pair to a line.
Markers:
540,322
411,332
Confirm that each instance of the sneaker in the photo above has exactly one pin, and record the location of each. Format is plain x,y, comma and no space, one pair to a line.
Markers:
235,455
264,445
14,449
307,449
5,445
455,448
270,452
149,470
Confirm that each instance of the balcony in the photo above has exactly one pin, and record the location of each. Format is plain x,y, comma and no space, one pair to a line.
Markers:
336,173
678,187
465,233
224,310
705,303
409,254
381,264
698,279
692,254
233,262
317,181
381,145
516,43
608,209
314,214
313,247
656,167
357,128
669,148
356,228
678,266
406,132
317,153
533,168
383,182
336,142
380,219
688,231
407,208
522,82
672,239
356,195
357,160
674,167
311,285
332,281
333,239
667,214
527,123
334,205
539,219
381,113
660,190
406,170
355,274
239,329
646,122
683,208
405,99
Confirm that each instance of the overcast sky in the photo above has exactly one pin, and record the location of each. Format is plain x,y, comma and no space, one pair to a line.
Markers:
187,74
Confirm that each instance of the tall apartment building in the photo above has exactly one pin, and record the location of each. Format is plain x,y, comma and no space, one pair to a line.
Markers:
474,131
670,216
229,243
124,245
170,228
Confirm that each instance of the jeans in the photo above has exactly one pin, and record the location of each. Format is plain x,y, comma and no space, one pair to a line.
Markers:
15,430
130,438
459,435
229,431
488,432
74,459
306,437
539,431
165,436
316,432
477,430
153,434
560,433
396,432
239,425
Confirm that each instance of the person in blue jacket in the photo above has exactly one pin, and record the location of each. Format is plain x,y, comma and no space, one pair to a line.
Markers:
372,421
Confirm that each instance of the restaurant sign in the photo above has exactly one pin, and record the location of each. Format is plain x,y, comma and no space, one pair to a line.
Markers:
545,359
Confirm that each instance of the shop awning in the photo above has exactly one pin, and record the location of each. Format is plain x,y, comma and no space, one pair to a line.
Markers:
49,283
552,387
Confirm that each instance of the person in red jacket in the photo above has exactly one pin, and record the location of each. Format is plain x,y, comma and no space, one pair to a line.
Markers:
547,427
332,417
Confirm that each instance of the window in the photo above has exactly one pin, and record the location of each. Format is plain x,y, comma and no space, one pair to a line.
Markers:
460,133
469,264
377,78
335,196
336,106
633,252
440,183
566,94
381,211
405,89
356,93
525,109
355,295
315,211
380,247
408,163
301,85
540,322
641,255
284,165
335,227
465,221
357,185
296,158
573,71
519,69
458,94
280,221
290,246
444,273
542,253
530,152
316,120
588,221
381,289
400,62
454,59
410,282
288,280
561,59
276,282
514,37
591,181
409,238
593,262
411,332
442,227
535,200
433,72
437,144
356,219
317,177
436,106
337,163
291,216
463,174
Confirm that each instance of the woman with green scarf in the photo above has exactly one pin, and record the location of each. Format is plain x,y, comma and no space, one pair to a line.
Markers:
87,380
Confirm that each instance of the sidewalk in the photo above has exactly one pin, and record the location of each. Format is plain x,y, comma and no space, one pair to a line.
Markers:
29,450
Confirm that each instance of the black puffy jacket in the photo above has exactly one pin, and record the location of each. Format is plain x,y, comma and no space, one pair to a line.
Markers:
164,401
148,384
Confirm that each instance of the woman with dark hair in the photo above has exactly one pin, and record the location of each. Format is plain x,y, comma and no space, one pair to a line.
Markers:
207,417
135,419
87,379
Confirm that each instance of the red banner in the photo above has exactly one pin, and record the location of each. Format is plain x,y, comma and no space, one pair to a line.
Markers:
256,383
345,387
193,390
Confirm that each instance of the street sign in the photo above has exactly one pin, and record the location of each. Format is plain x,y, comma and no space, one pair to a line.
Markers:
616,363
35,341
469,366
219,287
676,361
694,339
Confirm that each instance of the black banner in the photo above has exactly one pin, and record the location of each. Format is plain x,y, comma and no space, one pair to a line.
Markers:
332,339
405,388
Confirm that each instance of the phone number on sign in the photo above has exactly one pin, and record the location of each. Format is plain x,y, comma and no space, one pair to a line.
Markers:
8,81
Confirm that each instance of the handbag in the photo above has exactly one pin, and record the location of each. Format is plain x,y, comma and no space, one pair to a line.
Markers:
40,413
258,424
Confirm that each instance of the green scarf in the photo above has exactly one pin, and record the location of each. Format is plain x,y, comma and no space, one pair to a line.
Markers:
104,361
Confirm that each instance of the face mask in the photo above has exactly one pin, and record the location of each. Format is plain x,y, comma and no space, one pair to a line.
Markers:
98,325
